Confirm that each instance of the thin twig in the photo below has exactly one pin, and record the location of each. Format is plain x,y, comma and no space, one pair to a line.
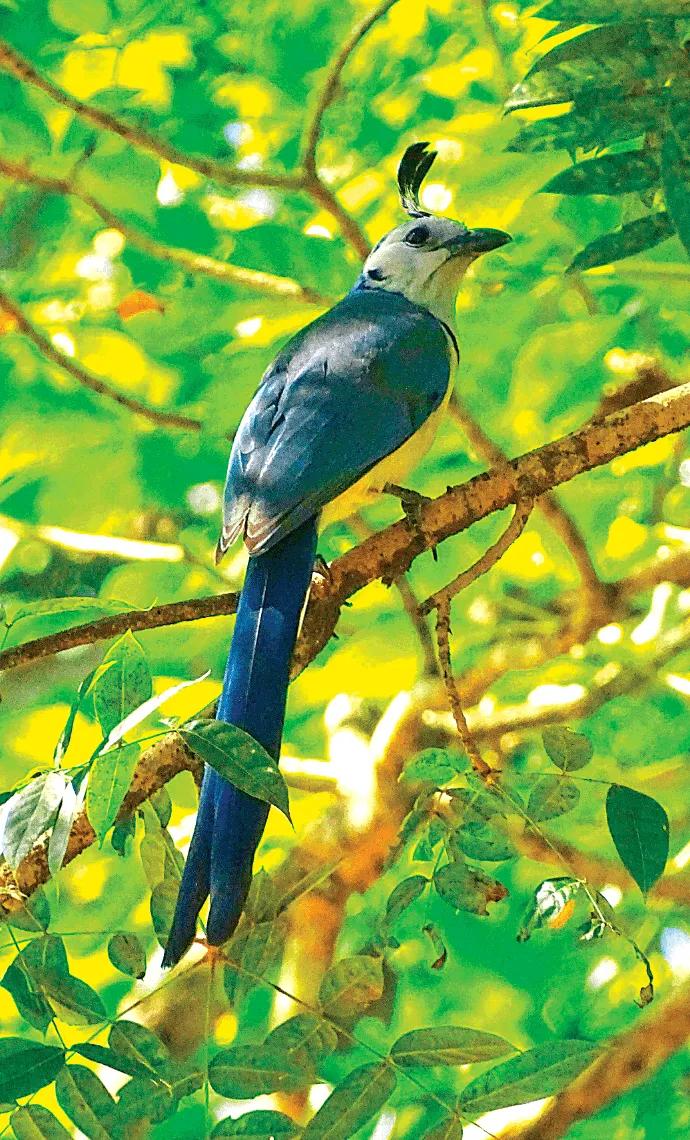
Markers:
332,83
86,378
186,259
443,597
479,764
172,613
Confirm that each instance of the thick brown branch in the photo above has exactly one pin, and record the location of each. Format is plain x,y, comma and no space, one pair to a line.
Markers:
390,552
186,259
194,609
86,378
20,67
631,1058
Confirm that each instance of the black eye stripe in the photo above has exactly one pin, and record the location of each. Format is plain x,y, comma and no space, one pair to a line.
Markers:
417,236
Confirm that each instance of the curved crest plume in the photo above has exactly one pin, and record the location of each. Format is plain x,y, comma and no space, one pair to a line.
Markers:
415,164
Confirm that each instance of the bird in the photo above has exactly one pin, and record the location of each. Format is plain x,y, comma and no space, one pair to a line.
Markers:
345,411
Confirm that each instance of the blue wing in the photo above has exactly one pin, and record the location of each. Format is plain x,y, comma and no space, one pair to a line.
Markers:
345,392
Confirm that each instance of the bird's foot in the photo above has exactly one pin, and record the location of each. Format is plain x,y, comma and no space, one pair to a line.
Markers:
411,503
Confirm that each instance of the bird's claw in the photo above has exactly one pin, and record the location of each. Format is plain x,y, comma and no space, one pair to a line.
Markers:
411,503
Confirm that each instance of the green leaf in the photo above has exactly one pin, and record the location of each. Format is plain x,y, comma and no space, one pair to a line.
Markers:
402,896
144,710
675,166
632,238
34,915
102,1055
30,1002
258,1126
568,750
610,174
640,830
80,16
238,758
552,796
482,841
28,814
160,858
352,1103
109,780
127,954
467,888
303,1040
256,949
86,1101
245,1071
163,902
124,686
26,1067
33,1122
539,1072
70,804
141,1046
448,1045
438,945
435,765
84,688
350,986
75,1002
141,1102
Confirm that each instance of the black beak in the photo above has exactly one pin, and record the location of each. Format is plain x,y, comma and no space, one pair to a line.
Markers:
476,242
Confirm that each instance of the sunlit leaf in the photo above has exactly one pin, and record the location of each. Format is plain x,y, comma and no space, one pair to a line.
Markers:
448,1045
552,904
163,900
640,830
71,803
239,758
536,1073
34,915
434,764
102,1055
123,687
109,779
352,1103
142,711
28,814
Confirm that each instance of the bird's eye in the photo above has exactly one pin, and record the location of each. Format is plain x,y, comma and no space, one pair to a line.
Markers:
417,236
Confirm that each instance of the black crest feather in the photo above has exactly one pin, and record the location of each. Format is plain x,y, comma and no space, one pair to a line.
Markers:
415,164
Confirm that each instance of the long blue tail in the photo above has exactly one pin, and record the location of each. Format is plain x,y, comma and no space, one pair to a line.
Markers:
230,823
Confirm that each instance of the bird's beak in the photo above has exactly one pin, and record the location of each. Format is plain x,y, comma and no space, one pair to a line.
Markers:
475,242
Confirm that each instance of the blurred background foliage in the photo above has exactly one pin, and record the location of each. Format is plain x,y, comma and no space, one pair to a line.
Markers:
111,250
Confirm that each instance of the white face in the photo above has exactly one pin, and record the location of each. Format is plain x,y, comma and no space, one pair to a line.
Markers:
426,258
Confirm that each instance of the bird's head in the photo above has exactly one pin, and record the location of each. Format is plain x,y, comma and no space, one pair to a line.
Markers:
426,258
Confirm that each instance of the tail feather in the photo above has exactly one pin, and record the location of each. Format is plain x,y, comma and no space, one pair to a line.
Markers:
229,822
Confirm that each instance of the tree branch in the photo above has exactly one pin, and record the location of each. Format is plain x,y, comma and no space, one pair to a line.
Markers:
390,552
172,613
332,83
86,378
631,1058
17,65
186,259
